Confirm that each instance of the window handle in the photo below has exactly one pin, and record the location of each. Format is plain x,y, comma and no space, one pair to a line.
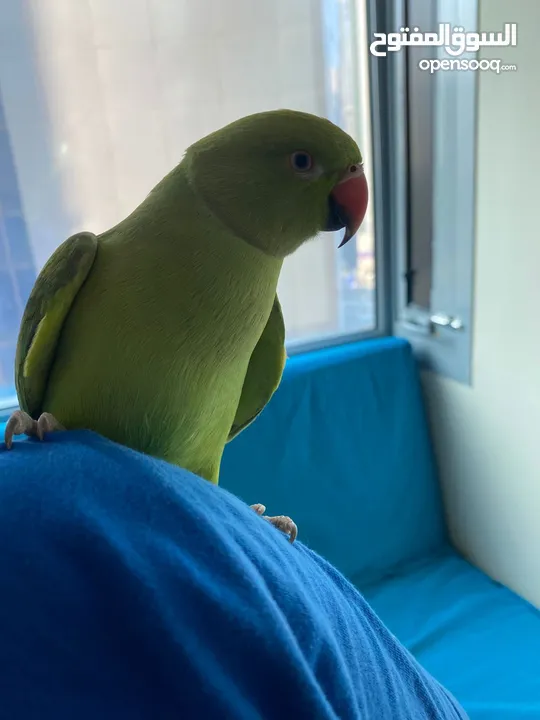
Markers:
427,325
443,320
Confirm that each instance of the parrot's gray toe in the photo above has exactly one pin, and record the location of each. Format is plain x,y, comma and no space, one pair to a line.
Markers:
281,522
20,423
259,509
47,423
285,524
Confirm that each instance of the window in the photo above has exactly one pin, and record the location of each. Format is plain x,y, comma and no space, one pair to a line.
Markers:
419,93
100,98
430,146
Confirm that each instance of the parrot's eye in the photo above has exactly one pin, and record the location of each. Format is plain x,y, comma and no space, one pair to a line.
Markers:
301,161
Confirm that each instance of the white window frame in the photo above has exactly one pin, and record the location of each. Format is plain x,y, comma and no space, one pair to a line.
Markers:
439,179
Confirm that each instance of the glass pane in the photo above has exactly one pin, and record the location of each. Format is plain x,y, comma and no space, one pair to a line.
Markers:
100,98
326,291
420,91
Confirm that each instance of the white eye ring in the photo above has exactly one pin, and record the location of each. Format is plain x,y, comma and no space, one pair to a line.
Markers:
301,161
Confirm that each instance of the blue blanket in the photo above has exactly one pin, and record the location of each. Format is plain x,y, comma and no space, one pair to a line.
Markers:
132,589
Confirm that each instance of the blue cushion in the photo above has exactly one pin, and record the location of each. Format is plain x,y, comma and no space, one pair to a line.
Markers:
133,589
343,448
477,637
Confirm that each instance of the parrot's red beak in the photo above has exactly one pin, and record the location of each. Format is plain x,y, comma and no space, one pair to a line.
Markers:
348,203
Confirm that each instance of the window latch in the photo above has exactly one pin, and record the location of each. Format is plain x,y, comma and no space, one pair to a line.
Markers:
443,320
428,324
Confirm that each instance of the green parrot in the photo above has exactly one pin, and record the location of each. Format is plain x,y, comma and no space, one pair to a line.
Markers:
165,333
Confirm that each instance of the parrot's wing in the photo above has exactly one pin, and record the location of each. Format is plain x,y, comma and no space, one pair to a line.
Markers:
264,371
49,303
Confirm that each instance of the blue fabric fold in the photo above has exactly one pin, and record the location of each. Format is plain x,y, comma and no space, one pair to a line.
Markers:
133,589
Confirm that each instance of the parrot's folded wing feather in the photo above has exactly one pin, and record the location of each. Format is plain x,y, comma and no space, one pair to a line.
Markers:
264,371
46,310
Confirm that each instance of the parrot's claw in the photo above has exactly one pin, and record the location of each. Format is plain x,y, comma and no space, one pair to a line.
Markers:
281,522
20,423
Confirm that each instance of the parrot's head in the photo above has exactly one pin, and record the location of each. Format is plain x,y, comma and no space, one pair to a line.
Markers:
278,178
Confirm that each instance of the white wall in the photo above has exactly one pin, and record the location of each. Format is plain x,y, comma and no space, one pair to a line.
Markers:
488,436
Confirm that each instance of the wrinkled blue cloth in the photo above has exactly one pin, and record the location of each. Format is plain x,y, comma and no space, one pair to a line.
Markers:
132,589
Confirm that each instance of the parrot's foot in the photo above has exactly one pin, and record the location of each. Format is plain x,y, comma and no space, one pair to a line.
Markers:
20,423
281,522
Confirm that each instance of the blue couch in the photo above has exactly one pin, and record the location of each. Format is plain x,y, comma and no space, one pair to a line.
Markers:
344,449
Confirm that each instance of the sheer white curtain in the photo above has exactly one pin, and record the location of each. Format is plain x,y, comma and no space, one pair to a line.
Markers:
102,97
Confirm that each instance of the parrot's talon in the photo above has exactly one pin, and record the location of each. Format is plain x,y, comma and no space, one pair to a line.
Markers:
20,423
285,524
47,423
259,509
281,522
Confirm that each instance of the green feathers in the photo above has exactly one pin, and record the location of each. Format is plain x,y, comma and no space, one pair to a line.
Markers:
243,172
47,307
165,333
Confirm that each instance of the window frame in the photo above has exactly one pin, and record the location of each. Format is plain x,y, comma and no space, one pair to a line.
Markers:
382,307
449,159
381,188
449,146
